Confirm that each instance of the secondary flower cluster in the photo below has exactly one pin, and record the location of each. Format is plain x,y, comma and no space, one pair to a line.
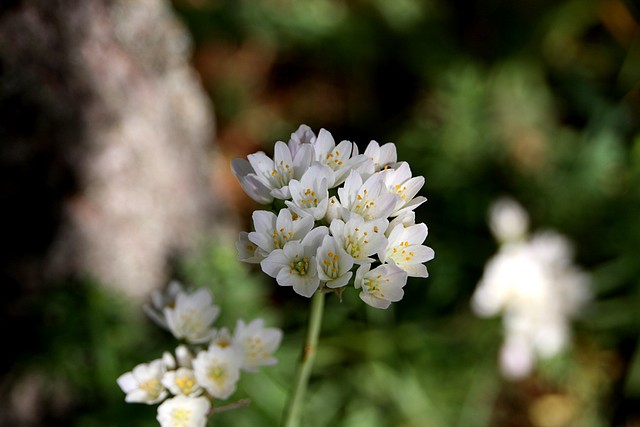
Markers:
206,367
335,211
532,282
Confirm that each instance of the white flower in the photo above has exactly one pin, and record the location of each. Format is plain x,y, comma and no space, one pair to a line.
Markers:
381,156
508,221
183,356
248,251
370,199
360,239
405,249
380,286
303,135
273,232
260,173
295,264
160,300
335,210
222,338
252,185
310,195
217,370
405,219
181,381
258,343
334,264
192,316
144,383
182,411
399,181
536,288
338,158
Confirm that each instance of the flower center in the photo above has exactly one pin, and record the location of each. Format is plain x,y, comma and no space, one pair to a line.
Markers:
299,266
330,263
152,387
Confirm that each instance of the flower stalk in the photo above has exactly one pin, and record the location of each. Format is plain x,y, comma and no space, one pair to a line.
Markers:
294,407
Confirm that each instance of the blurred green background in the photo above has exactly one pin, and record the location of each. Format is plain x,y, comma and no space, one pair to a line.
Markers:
536,99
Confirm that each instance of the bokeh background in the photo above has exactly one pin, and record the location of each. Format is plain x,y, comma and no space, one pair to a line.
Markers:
536,99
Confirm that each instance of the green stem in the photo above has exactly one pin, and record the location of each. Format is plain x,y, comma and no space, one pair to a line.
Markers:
294,407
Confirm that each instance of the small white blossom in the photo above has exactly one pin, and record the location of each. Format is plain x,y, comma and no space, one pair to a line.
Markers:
335,210
258,343
222,337
144,383
252,185
182,411
310,195
273,232
259,173
380,286
181,381
334,264
302,136
248,251
295,264
381,156
192,316
359,238
370,199
405,249
399,181
405,219
217,370
183,356
338,158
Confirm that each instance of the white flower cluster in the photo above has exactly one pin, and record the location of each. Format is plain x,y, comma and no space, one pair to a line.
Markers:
534,285
196,381
336,210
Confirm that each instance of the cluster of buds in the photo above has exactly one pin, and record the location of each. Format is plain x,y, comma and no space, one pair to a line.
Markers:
533,283
334,211
205,367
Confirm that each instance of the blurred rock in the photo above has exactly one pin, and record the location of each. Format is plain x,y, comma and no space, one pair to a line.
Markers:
106,143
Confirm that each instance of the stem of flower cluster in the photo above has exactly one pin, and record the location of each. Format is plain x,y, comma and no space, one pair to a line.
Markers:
294,407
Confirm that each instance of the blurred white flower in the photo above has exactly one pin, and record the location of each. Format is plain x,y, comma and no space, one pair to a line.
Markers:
144,383
182,411
161,299
382,285
258,343
217,370
537,290
508,220
192,316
